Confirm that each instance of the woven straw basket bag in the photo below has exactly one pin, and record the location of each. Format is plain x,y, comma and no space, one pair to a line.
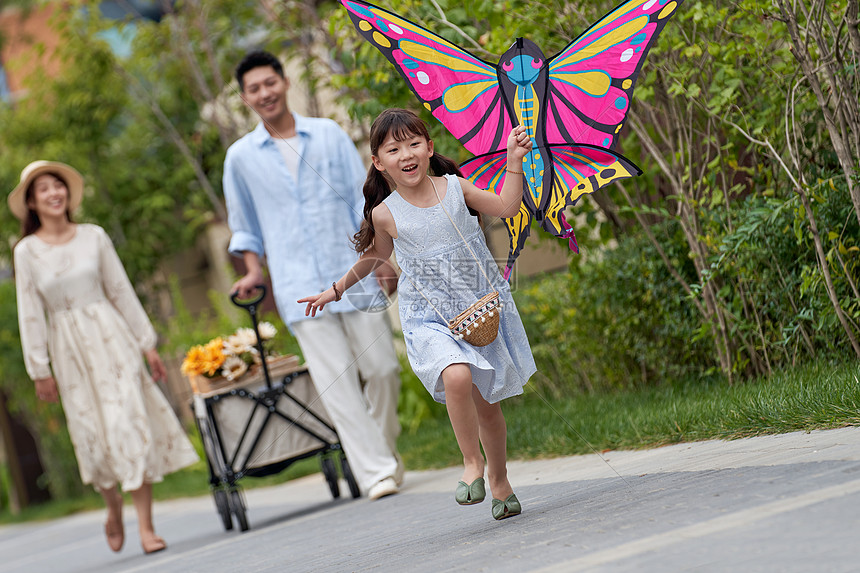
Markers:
479,324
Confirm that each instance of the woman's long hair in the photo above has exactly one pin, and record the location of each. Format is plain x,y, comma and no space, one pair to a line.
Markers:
401,124
31,222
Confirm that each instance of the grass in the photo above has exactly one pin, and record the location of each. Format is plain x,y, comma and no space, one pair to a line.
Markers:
818,396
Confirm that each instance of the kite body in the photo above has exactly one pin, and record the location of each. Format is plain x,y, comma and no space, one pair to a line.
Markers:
573,105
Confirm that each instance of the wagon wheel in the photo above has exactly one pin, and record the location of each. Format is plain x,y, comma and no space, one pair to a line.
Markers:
218,469
237,504
347,475
223,506
330,473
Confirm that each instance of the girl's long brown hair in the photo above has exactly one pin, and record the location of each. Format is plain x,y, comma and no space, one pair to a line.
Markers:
402,124
31,222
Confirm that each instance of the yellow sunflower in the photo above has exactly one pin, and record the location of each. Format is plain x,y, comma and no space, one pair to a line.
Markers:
192,365
213,356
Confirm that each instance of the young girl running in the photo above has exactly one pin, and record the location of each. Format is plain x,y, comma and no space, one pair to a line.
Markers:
439,269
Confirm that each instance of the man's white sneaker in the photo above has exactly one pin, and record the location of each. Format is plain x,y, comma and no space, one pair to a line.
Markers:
382,488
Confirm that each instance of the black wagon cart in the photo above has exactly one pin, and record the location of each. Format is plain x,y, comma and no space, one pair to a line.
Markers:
261,424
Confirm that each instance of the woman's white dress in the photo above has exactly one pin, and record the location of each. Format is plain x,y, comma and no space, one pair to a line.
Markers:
80,317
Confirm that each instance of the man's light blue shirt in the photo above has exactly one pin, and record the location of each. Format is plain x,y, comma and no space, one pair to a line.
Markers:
302,225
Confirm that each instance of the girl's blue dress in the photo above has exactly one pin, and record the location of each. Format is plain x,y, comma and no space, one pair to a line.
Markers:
435,258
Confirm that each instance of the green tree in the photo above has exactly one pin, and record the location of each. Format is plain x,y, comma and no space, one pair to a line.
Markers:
149,145
721,80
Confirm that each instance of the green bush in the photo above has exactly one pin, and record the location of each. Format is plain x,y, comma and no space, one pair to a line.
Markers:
614,321
45,421
616,318
415,405
184,330
775,292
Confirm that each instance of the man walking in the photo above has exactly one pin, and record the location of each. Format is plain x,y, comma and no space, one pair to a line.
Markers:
293,188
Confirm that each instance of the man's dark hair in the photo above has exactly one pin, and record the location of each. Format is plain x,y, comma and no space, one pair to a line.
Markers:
257,59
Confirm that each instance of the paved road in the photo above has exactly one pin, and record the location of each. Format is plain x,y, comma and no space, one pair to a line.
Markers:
787,503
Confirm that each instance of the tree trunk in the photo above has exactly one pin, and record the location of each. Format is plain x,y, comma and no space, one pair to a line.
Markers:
206,94
660,251
801,53
852,11
686,218
825,271
176,138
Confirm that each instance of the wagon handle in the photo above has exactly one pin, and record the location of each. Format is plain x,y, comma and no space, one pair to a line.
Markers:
251,306
251,303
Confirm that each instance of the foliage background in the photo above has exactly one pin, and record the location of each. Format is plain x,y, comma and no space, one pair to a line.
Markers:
735,255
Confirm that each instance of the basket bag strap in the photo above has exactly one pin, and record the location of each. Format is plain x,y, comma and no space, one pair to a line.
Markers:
480,266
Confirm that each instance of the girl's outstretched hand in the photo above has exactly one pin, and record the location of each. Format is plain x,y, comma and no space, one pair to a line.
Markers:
317,302
519,143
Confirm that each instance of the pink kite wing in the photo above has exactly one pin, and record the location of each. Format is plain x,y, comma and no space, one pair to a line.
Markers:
576,170
580,170
488,172
583,169
459,89
592,79
572,105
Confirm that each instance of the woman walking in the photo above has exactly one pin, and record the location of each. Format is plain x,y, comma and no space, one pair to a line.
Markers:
84,335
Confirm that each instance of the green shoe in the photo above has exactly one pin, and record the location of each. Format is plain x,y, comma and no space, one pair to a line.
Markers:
508,508
470,494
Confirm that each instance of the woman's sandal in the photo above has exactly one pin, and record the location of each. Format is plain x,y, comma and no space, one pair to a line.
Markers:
115,536
470,494
153,545
507,508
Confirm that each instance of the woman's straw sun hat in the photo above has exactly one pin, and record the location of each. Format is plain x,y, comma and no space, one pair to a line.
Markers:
17,198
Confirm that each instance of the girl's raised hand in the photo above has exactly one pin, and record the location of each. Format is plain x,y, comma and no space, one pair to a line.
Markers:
519,143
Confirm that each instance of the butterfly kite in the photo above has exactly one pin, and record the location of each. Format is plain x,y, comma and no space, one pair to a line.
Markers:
573,105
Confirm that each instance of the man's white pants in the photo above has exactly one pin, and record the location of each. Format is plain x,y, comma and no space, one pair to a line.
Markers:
342,351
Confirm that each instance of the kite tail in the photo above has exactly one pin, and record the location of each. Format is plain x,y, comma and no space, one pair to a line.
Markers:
569,235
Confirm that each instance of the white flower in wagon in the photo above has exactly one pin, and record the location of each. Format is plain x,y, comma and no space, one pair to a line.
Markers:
253,355
233,368
234,347
245,337
267,330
